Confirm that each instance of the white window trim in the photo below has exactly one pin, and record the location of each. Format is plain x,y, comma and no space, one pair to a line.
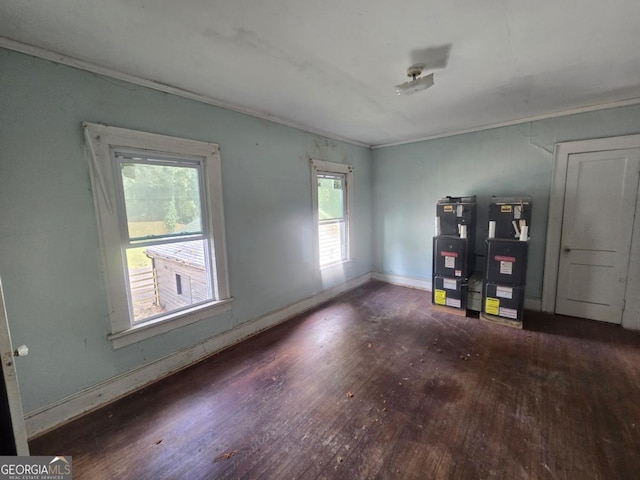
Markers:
99,139
331,167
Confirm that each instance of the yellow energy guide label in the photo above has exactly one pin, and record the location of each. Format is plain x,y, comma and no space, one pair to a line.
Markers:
492,306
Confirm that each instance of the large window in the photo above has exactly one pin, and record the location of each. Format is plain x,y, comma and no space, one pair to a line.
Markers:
159,206
331,203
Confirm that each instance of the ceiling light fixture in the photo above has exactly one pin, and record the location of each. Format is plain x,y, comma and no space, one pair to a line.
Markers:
417,83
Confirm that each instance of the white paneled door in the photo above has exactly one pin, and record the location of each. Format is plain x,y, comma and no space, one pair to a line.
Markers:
599,210
13,433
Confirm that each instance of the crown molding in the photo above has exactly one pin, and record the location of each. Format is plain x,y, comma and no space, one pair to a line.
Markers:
519,121
111,73
108,72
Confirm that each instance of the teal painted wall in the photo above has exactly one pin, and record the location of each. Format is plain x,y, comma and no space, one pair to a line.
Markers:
517,160
49,259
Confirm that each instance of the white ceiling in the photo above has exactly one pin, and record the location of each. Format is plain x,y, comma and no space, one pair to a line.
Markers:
331,65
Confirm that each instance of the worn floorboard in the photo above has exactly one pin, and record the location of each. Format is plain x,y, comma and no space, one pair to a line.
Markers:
375,384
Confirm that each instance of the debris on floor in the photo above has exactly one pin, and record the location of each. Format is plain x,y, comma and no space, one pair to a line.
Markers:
159,442
350,394
226,456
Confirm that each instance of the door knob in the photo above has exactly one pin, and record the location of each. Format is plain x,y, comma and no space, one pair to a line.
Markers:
566,249
21,351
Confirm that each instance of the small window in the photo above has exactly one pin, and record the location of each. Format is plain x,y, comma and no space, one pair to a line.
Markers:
178,284
331,209
159,206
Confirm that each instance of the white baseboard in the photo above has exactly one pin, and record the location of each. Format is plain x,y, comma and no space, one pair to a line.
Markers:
402,281
530,303
54,415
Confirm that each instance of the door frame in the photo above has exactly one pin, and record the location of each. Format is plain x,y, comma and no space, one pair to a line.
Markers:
9,376
631,313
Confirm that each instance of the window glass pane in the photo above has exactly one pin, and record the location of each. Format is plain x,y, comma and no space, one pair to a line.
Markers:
330,197
331,242
143,292
161,200
153,272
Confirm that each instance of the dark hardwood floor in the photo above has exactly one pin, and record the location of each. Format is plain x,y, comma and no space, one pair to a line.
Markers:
377,385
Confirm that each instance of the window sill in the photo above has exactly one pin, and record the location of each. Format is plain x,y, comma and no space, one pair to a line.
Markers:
143,331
